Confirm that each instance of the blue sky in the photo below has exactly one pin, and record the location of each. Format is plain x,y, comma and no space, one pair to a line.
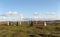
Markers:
28,7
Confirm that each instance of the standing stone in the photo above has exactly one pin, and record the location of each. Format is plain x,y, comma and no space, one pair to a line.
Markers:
31,23
16,23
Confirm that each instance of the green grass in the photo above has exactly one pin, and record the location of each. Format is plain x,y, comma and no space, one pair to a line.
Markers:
25,31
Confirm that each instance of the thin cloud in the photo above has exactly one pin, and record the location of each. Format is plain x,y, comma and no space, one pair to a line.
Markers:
21,15
36,13
50,13
58,17
10,13
4,18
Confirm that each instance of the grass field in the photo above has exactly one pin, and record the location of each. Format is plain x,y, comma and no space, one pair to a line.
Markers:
25,30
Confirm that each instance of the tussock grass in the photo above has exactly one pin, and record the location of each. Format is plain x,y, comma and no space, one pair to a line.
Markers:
26,30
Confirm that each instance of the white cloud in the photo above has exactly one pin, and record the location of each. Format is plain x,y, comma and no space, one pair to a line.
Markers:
36,13
52,18
3,18
49,16
10,13
21,15
58,17
50,13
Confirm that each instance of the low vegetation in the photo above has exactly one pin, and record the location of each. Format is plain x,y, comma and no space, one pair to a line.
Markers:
26,30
